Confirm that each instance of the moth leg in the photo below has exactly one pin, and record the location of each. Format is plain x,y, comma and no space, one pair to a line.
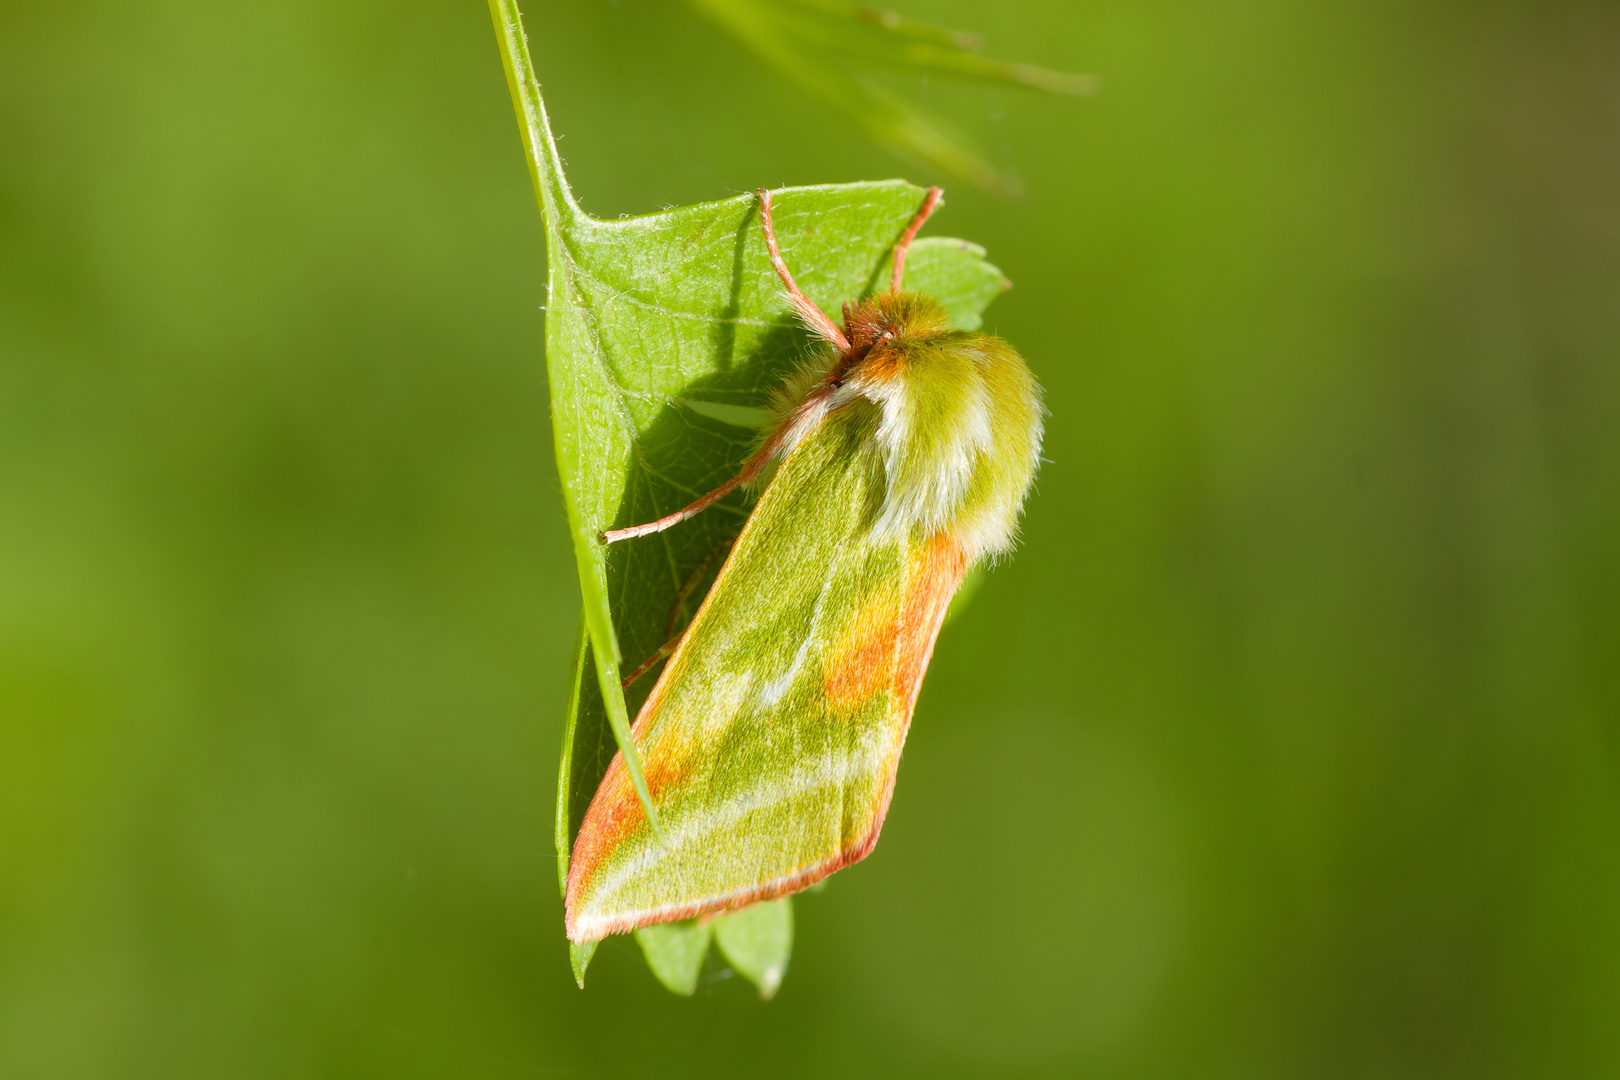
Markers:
647,665
814,317
751,468
930,204
610,536
818,321
688,587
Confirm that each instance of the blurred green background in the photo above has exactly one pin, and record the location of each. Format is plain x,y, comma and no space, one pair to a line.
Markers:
1285,747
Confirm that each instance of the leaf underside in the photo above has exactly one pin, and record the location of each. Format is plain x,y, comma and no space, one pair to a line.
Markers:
675,951
756,941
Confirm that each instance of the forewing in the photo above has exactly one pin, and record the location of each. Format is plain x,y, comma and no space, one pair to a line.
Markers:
771,740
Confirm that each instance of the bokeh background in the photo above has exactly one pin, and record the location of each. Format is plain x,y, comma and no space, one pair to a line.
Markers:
1285,747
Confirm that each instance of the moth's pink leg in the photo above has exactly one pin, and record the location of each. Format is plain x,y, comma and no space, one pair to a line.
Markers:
610,536
929,205
813,316
751,468
688,587
647,665
817,320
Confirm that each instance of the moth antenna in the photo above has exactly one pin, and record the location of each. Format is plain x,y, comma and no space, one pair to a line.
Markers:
930,204
814,316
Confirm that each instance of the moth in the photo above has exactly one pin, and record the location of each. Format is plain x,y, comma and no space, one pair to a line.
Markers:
897,457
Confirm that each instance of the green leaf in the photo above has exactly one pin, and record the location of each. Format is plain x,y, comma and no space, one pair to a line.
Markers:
830,48
675,952
758,941
660,330
579,958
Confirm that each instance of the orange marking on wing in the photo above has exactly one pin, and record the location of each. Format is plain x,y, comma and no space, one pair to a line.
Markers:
663,769
615,812
933,578
862,662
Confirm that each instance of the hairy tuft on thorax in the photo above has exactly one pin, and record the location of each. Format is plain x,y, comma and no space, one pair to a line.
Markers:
960,431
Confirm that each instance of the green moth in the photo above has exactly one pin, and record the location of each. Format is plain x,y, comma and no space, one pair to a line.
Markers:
897,457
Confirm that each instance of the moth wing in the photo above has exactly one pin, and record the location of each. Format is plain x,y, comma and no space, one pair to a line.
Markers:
771,740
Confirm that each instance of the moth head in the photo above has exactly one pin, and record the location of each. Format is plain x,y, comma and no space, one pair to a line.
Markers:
878,320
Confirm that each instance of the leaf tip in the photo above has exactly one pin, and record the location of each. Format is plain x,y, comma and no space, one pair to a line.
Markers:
579,958
770,981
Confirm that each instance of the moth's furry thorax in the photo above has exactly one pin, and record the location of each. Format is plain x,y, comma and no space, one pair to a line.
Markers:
959,432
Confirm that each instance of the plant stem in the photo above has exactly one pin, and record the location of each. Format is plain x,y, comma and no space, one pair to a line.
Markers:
563,220
557,204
